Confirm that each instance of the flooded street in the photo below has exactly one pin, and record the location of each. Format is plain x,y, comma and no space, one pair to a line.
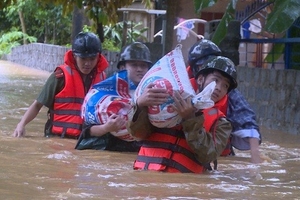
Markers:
35,167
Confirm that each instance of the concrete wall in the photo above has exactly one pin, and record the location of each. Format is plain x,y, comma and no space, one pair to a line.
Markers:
274,94
47,57
39,56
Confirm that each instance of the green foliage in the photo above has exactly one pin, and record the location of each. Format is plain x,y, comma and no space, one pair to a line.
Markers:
134,32
45,21
279,48
284,13
227,17
50,20
5,24
87,28
201,4
110,45
104,11
13,39
275,53
222,27
113,34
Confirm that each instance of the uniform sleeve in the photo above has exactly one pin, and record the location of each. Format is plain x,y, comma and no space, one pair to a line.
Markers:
52,86
140,126
207,146
86,130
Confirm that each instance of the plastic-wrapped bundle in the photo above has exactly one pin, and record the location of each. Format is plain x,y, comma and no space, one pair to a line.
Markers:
111,96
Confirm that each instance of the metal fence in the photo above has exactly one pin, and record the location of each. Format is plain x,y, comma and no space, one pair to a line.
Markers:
255,51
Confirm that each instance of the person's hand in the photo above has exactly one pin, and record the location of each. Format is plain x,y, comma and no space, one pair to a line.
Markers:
115,123
255,156
254,150
152,96
19,131
184,107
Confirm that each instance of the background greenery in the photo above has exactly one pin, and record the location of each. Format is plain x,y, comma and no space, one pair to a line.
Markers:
50,21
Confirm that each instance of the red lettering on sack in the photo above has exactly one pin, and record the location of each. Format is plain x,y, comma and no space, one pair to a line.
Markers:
170,109
153,109
175,73
164,83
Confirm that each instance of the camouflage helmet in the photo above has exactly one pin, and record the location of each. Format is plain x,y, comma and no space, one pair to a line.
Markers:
200,52
86,44
222,64
136,51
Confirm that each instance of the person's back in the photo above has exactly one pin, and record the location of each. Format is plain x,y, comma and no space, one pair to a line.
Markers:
199,139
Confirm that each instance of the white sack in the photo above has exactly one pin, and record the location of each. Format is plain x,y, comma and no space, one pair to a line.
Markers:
170,73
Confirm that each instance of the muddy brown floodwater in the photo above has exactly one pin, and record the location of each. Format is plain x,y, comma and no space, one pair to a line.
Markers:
35,167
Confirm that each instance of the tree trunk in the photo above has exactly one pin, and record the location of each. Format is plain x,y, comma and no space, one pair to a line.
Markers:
125,28
22,25
46,32
77,22
170,22
100,31
54,33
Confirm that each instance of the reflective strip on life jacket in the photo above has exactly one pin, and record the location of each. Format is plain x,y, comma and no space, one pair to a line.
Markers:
66,114
167,150
163,161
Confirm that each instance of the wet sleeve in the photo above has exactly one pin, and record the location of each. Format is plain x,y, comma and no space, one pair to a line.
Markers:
240,112
140,126
86,131
52,86
243,120
207,145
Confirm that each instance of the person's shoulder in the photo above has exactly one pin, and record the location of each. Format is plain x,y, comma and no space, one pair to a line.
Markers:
59,73
235,94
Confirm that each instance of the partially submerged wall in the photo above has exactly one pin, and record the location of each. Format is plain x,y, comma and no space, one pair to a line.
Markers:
47,57
274,95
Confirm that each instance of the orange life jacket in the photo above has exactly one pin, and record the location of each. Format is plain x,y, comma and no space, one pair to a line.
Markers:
190,72
67,119
167,149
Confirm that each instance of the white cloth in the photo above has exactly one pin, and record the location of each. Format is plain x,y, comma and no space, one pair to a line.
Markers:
255,26
183,33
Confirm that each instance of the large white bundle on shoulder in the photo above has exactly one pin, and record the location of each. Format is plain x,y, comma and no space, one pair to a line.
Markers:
170,73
